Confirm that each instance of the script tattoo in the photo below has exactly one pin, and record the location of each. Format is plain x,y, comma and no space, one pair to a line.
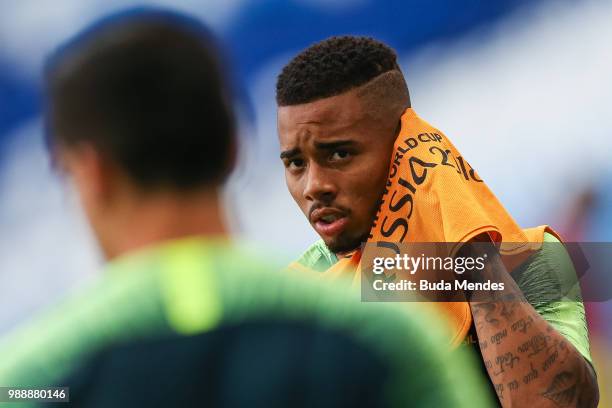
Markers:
499,389
550,360
535,344
497,337
531,375
504,361
522,324
559,353
527,360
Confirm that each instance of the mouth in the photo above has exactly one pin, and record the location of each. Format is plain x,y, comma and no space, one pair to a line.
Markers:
328,222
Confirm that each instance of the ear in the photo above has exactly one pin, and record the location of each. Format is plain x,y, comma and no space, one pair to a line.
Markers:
90,173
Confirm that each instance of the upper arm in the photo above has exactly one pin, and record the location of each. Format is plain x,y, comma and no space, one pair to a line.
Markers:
550,284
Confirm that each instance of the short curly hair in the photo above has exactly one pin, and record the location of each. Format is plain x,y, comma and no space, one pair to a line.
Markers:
331,67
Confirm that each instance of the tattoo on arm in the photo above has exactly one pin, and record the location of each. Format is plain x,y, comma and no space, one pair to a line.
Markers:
562,389
506,361
488,310
499,389
522,324
499,336
531,375
508,309
513,385
535,345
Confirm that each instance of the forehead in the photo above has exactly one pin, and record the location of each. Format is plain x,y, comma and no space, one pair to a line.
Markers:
323,118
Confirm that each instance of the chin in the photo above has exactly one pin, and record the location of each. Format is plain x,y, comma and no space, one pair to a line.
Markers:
344,244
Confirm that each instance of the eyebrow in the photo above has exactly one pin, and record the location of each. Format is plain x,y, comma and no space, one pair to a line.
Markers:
289,153
319,145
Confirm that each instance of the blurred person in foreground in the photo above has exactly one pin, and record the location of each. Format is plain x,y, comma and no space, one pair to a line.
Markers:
365,168
140,120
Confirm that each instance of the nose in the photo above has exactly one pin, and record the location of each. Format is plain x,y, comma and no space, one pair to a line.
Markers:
319,185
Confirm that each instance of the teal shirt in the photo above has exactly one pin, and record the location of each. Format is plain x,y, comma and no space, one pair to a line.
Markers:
549,271
195,285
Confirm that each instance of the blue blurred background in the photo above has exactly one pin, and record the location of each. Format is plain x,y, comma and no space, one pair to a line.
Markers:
523,88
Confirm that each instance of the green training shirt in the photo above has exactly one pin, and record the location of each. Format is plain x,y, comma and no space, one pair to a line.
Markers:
194,286
540,279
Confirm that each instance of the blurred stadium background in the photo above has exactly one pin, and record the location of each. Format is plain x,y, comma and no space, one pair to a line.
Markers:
523,88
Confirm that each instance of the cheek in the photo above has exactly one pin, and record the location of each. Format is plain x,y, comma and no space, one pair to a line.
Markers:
379,171
368,194
373,174
368,187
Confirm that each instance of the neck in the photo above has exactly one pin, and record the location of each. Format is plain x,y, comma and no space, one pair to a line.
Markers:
162,217
345,254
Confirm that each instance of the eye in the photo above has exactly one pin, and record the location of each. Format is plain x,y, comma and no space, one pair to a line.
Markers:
339,155
294,164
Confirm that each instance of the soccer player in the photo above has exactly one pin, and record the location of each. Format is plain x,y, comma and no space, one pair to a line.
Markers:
141,122
363,167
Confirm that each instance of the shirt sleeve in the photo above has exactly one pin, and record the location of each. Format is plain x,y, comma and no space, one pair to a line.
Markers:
317,257
550,285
